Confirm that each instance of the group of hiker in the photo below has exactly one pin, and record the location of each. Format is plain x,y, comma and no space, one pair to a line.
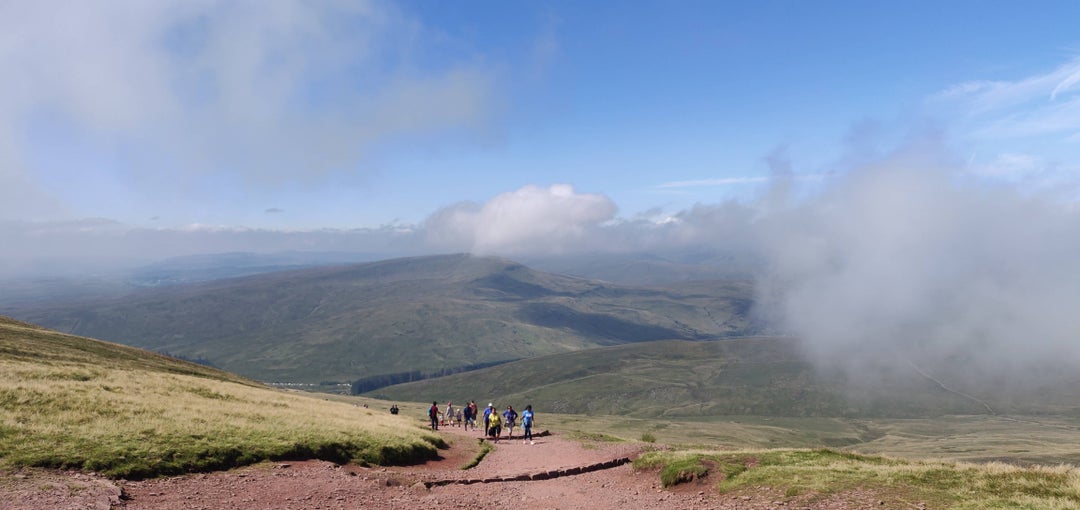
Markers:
492,421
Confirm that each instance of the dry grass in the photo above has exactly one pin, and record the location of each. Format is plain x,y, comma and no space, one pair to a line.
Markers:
70,402
824,473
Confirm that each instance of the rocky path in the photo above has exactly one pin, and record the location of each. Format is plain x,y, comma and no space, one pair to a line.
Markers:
545,475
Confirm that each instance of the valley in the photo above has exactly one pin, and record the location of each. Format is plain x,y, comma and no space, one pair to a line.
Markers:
674,366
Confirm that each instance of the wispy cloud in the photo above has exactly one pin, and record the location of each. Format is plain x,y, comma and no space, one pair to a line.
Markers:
178,96
1043,104
1022,132
988,96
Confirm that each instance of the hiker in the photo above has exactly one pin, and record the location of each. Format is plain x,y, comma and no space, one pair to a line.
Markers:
494,425
394,409
487,418
468,411
527,423
475,412
509,417
433,413
449,416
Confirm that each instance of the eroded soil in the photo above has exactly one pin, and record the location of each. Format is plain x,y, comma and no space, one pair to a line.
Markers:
324,485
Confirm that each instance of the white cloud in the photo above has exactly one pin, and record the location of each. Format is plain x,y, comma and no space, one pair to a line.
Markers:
177,95
532,219
906,259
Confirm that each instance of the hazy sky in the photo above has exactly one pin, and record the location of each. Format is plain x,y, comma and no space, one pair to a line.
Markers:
906,172
173,127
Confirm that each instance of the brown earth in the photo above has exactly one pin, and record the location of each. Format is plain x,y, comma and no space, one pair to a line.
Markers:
324,485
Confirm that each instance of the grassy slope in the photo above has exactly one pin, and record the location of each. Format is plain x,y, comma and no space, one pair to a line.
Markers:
809,476
73,402
428,313
763,376
78,403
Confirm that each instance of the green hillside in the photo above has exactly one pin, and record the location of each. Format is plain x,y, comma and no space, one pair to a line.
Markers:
763,376
425,314
77,403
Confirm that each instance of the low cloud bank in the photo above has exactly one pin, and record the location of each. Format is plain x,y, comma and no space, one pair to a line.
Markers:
910,261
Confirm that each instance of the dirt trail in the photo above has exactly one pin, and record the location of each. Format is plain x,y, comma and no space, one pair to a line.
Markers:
324,485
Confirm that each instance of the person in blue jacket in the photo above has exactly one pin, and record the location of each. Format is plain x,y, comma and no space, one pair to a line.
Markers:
487,417
509,420
527,423
469,417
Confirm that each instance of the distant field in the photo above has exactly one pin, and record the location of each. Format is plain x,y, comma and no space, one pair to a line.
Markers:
761,376
1016,440
845,480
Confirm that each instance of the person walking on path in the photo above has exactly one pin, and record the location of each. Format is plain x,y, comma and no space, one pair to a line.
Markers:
495,425
487,418
527,423
449,413
468,410
433,413
509,418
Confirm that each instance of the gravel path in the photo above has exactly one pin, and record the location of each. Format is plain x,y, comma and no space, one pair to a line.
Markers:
324,485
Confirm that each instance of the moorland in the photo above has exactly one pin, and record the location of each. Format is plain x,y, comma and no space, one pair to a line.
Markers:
684,366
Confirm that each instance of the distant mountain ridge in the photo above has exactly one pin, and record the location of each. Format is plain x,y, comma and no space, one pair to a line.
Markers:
427,314
216,266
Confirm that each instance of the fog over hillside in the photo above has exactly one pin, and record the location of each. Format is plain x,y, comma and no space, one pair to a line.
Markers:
913,260
910,258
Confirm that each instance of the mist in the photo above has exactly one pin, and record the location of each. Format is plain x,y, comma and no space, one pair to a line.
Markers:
913,262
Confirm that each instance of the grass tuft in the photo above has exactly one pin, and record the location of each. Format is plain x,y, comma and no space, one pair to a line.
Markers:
485,448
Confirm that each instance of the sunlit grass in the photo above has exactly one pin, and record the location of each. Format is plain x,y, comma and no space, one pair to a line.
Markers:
813,474
69,402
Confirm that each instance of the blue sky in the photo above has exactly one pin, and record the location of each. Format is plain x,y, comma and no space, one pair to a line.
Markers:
334,116
906,173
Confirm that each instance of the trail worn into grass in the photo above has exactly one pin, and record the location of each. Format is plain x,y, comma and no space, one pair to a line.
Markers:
324,485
